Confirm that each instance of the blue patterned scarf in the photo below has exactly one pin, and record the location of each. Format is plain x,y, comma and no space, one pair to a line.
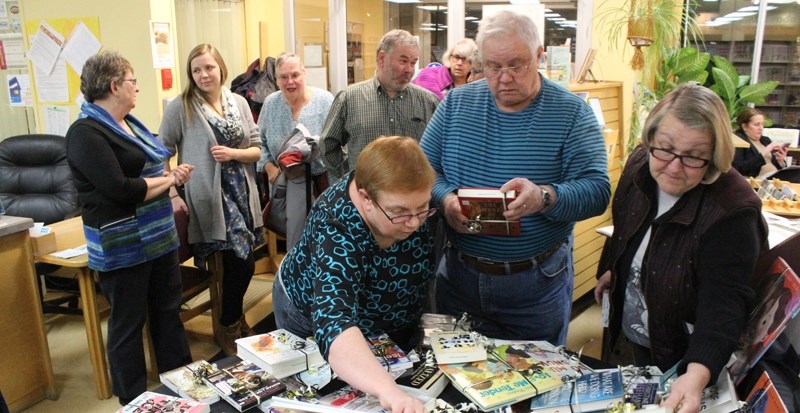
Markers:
157,154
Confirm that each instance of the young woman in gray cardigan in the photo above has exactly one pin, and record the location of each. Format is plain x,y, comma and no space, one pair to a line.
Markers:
214,130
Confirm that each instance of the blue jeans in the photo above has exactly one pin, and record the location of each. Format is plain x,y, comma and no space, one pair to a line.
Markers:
531,305
287,316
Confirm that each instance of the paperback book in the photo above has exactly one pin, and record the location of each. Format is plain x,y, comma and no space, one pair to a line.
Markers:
718,398
778,302
764,397
456,347
484,209
339,397
388,353
244,385
588,393
280,353
494,383
186,383
151,402
547,355
424,377
559,62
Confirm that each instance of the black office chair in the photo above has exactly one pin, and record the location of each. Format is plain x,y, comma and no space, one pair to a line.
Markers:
36,182
788,174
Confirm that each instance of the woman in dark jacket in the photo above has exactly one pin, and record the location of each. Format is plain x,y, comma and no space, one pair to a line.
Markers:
687,233
762,156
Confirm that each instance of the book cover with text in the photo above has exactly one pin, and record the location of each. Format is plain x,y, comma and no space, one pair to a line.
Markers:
484,209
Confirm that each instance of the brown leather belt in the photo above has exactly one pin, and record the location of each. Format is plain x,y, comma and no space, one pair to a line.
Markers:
489,267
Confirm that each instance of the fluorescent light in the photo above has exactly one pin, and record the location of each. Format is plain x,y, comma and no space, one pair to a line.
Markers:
431,8
727,19
552,15
404,1
741,14
468,18
557,19
548,11
523,2
429,29
755,8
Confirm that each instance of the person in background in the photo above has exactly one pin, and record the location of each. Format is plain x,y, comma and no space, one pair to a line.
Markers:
476,73
282,111
362,265
212,128
687,233
515,131
382,106
118,168
762,156
453,72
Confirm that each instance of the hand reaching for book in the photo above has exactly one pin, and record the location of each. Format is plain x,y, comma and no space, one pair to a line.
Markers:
398,401
687,390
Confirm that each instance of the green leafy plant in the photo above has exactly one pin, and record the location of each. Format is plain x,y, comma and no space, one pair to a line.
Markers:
680,65
735,90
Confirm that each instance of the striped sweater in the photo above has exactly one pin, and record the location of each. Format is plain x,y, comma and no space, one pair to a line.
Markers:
555,140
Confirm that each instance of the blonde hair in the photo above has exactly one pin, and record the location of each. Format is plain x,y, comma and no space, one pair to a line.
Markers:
191,87
698,108
393,163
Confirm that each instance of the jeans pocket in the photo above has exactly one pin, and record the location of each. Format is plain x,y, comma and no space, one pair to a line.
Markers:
556,264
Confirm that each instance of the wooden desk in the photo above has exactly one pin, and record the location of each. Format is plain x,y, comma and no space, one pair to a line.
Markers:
26,371
69,234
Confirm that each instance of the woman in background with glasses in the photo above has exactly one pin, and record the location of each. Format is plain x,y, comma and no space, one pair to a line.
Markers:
295,103
213,129
362,265
454,71
687,233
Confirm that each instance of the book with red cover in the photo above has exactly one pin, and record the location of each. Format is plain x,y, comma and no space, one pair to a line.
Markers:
484,208
778,302
764,397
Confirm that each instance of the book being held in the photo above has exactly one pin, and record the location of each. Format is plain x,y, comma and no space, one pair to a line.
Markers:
484,209
280,352
456,347
151,402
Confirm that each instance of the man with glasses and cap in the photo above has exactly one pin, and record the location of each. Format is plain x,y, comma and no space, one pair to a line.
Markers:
515,131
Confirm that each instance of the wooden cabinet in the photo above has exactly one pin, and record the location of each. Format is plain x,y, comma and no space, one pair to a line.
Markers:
588,243
26,372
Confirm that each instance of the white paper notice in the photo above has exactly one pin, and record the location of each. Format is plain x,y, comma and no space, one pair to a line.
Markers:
72,252
56,120
598,111
19,90
81,45
53,88
14,50
45,47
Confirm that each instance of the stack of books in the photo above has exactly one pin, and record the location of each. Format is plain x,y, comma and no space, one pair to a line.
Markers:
188,383
151,402
456,347
280,352
244,385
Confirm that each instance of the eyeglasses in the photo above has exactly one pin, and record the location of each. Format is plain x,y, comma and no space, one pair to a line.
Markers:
133,81
456,58
669,156
402,219
495,72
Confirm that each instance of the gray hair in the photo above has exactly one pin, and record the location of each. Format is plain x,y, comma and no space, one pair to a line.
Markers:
99,71
700,109
509,23
287,56
393,38
465,47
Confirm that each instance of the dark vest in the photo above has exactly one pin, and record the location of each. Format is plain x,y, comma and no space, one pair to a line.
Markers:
669,263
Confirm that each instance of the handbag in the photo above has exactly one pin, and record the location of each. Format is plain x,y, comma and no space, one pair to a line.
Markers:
274,213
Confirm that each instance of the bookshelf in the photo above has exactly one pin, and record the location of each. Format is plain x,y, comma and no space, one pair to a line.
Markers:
780,61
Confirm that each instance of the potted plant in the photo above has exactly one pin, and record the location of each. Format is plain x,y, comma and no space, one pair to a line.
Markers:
735,89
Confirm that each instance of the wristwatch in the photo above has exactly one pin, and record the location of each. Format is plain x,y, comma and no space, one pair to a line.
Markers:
546,199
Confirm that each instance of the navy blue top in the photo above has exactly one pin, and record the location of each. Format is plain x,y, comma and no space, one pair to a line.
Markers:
339,276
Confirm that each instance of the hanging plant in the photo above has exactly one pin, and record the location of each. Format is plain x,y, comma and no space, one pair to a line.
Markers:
640,30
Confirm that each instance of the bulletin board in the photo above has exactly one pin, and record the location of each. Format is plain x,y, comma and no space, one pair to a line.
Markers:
52,98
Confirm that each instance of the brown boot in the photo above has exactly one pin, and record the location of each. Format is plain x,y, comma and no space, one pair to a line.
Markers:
230,334
247,331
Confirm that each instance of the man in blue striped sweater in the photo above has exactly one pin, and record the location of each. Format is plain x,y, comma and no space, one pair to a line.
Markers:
515,131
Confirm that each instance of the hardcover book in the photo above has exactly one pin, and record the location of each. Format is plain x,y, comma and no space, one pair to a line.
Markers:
588,393
547,355
484,209
185,383
244,385
778,302
764,397
151,402
388,353
280,353
559,61
456,347
339,397
493,383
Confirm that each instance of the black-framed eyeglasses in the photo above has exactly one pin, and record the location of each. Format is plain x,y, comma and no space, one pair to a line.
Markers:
402,219
456,58
686,160
133,81
514,71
